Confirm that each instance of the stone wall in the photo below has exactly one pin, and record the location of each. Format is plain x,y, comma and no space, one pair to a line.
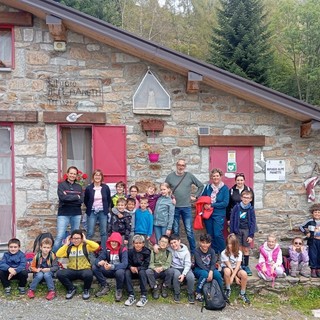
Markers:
279,206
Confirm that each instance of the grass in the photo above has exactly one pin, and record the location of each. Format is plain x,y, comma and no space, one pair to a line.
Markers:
299,297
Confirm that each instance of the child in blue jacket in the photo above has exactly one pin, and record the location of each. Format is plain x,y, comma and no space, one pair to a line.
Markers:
13,266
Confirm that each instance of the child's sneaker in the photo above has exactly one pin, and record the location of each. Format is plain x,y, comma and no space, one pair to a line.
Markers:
71,293
156,293
191,298
199,297
142,302
51,295
248,270
86,294
244,298
176,298
227,293
130,301
30,294
22,290
7,291
164,291
118,295
103,291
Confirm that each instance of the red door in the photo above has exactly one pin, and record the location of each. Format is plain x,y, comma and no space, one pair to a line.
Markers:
232,160
109,152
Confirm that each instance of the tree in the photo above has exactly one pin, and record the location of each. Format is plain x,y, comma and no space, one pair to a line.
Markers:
240,44
296,28
107,10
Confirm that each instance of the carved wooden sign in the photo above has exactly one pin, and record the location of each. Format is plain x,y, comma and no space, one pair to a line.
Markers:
74,117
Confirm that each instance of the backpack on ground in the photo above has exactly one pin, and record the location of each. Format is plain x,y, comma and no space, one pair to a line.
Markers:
39,238
29,257
214,298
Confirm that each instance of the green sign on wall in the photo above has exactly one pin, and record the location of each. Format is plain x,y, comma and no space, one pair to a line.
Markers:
231,167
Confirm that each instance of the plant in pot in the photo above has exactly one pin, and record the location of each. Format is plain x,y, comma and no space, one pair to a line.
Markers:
153,152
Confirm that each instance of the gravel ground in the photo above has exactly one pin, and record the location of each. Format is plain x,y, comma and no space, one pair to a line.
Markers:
77,309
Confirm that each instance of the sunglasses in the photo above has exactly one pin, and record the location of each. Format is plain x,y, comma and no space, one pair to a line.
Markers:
298,243
240,175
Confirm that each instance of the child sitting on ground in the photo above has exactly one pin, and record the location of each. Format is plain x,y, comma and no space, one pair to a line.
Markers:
311,229
231,259
138,263
158,269
43,266
13,266
270,260
205,265
299,258
243,225
111,263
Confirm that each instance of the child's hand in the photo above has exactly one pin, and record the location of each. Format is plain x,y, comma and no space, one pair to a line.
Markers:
156,248
210,276
168,233
158,269
120,215
134,269
107,266
84,239
45,270
12,271
264,268
238,281
67,242
181,278
101,263
249,239
174,201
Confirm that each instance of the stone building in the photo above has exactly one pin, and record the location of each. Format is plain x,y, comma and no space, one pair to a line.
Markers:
76,90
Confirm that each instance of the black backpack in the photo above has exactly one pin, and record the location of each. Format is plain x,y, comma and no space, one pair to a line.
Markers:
214,298
39,238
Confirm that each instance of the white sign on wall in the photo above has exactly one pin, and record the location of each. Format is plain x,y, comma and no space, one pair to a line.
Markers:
275,170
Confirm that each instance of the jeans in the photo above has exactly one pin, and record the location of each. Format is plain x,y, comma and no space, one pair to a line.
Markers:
153,276
175,273
66,276
22,277
214,226
39,276
186,215
62,225
142,276
101,274
159,231
202,276
92,221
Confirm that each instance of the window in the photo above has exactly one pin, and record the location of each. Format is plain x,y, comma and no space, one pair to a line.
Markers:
6,48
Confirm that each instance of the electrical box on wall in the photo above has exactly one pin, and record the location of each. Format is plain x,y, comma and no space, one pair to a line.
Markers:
59,46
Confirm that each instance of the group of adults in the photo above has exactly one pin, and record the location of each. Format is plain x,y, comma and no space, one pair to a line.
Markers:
222,201
182,183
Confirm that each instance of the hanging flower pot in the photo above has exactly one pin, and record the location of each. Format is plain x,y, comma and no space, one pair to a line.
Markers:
153,157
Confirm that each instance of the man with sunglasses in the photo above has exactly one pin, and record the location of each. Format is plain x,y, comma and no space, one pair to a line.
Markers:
181,183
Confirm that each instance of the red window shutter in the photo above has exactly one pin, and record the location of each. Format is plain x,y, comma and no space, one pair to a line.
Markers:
109,152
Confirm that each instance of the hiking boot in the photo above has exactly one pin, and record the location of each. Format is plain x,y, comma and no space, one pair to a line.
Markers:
71,293
191,298
164,292
176,297
142,302
314,273
103,291
199,297
244,298
51,295
156,293
227,293
293,273
318,273
86,294
22,290
7,291
30,294
118,295
130,301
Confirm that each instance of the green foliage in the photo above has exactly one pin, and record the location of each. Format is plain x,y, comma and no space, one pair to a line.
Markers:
108,10
240,43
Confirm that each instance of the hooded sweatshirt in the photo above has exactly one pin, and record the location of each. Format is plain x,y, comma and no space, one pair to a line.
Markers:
118,257
181,259
269,252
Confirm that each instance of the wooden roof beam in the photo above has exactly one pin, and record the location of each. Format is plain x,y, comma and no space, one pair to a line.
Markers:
193,83
57,28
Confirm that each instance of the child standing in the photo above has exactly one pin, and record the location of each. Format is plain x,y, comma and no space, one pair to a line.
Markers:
138,263
231,259
143,220
163,212
131,209
181,268
13,266
311,229
111,263
121,220
243,225
270,260
299,258
205,265
133,193
44,265
158,269
121,193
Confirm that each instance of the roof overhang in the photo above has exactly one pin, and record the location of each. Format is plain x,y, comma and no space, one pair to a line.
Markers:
167,58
